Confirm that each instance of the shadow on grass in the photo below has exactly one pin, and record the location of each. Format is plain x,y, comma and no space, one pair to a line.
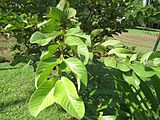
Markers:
4,105
9,68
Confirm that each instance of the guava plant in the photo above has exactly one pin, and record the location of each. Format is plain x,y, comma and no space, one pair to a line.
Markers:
61,73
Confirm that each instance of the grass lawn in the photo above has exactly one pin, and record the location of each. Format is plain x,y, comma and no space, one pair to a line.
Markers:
16,87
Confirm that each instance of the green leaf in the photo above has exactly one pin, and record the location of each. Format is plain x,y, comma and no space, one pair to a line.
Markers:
156,61
145,57
50,26
82,49
43,39
110,62
108,117
55,14
44,69
120,52
132,79
61,5
70,12
150,56
143,71
66,95
133,57
79,33
113,43
79,70
48,54
123,65
42,97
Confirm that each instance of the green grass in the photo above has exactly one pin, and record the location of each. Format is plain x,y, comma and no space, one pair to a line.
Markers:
16,87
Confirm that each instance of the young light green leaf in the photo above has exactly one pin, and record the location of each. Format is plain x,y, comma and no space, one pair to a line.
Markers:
108,117
61,5
43,39
133,57
42,97
44,69
113,43
66,95
120,52
82,49
79,70
110,62
70,12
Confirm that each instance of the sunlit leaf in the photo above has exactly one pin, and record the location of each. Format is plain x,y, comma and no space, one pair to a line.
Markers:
66,95
44,69
42,97
77,67
82,49
43,39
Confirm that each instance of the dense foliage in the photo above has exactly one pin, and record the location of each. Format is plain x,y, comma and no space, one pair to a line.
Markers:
64,47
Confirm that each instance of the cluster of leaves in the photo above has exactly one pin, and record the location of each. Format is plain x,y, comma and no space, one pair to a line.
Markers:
138,14
61,73
21,18
136,79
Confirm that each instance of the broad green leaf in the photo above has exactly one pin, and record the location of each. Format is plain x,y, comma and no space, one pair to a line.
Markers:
42,97
143,71
50,26
44,69
70,12
120,52
48,54
79,70
113,43
132,79
55,14
66,95
123,65
43,39
82,49
110,62
79,33
61,5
